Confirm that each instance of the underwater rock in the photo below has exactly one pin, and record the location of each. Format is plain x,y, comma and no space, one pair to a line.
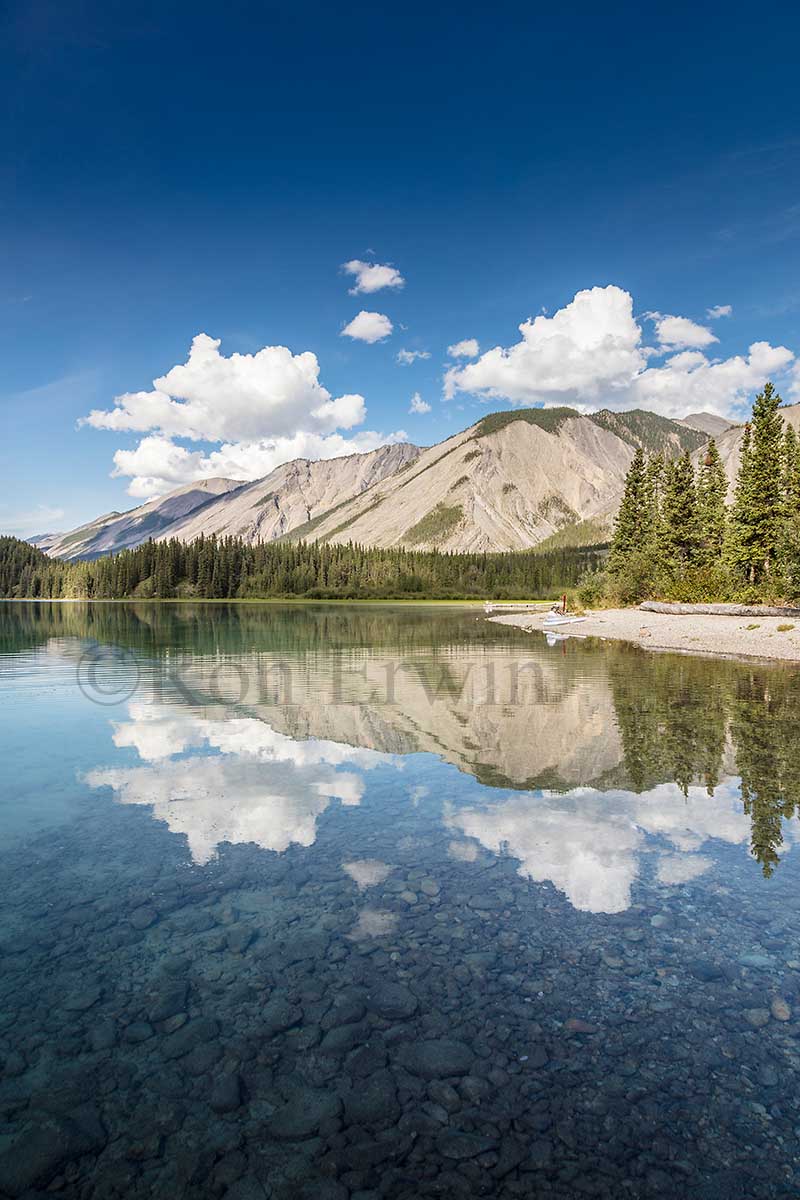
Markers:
35,1155
437,1058
192,1035
391,1001
226,1095
303,1114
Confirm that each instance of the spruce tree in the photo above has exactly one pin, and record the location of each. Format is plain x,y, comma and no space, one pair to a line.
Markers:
631,526
758,510
654,482
712,488
790,534
735,542
679,517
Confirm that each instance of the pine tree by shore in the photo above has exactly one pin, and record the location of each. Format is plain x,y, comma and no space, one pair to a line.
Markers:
676,537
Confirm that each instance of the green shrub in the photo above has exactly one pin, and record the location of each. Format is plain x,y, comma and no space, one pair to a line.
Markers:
592,589
697,585
635,582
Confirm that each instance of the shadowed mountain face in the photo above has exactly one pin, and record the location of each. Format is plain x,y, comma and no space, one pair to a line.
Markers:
507,483
289,497
120,531
293,496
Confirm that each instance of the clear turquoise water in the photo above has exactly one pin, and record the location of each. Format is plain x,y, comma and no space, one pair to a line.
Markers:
361,902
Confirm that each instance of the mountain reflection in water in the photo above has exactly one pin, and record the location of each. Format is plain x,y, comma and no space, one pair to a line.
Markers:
588,760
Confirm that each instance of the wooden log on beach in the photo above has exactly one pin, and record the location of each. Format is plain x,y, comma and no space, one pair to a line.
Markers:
719,610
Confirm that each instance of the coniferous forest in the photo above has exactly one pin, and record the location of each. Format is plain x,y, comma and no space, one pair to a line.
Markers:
229,569
678,536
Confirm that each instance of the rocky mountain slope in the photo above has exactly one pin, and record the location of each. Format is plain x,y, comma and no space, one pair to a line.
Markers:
294,495
116,531
707,422
289,496
509,482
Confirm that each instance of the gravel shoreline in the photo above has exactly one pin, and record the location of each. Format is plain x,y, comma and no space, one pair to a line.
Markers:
721,636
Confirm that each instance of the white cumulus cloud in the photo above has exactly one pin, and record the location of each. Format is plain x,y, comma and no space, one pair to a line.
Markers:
794,383
591,354
418,405
372,277
469,348
259,409
407,357
368,327
214,398
690,381
585,351
679,333
719,310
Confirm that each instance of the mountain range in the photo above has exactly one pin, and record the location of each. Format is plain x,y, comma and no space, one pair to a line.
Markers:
513,480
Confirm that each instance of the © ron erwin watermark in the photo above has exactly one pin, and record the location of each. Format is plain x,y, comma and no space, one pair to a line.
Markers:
109,675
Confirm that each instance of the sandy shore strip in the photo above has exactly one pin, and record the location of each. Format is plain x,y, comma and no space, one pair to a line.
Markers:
775,638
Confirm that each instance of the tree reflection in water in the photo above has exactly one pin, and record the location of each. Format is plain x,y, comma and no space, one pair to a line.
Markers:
691,719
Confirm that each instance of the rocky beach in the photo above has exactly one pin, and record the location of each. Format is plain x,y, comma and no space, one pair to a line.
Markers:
696,633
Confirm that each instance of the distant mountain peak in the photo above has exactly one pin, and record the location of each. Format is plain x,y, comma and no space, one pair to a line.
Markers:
707,422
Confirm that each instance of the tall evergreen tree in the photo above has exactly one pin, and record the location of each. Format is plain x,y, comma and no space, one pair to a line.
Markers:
679,516
758,511
224,568
712,489
735,546
654,482
632,524
790,535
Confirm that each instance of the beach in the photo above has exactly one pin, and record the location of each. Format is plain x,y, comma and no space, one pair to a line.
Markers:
776,638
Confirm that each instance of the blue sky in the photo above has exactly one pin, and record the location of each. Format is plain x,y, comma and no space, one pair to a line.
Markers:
165,174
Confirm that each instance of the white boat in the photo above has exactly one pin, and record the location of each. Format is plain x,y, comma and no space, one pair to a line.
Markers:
551,621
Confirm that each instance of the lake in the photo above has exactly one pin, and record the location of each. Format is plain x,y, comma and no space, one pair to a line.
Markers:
357,902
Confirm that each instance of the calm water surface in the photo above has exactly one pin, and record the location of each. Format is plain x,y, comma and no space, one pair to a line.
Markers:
380,902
